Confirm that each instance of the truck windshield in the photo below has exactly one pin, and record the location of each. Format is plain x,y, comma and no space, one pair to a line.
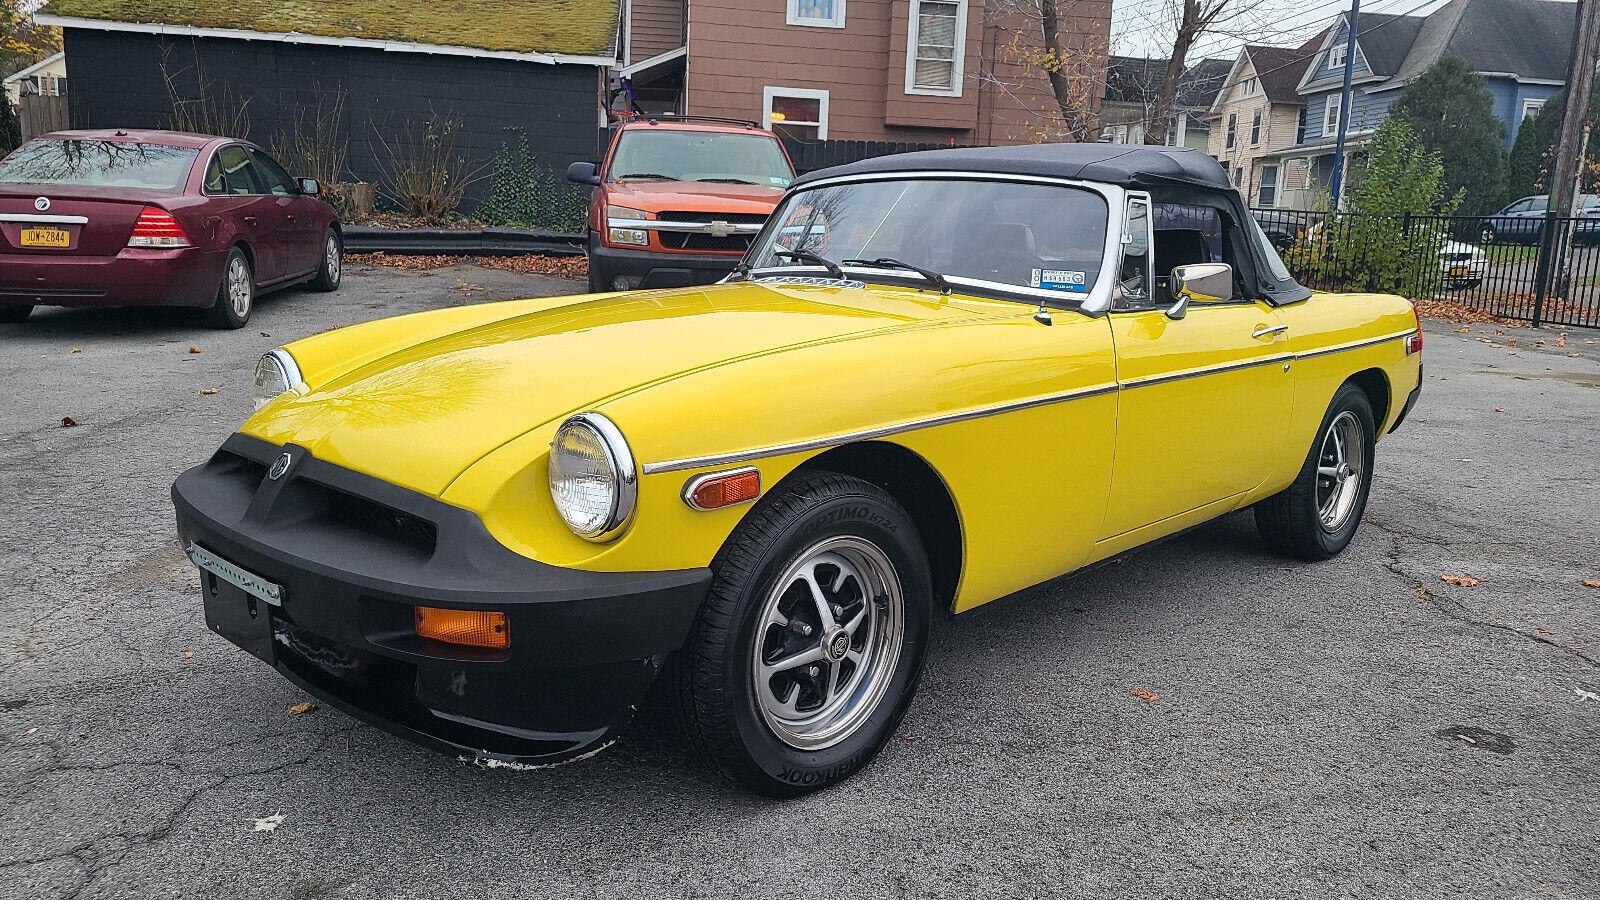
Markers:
109,163
1043,239
711,156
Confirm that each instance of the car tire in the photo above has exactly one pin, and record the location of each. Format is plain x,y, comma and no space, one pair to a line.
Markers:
236,298
1487,235
775,728
331,270
11,315
1317,516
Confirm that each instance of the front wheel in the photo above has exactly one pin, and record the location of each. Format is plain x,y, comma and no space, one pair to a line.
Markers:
331,269
236,296
1487,235
809,645
1317,516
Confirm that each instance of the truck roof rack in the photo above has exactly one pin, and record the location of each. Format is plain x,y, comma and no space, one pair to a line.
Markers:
655,118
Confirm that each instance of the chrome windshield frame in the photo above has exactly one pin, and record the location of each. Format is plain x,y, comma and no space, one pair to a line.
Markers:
1098,301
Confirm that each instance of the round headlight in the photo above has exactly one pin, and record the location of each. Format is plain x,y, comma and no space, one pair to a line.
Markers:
275,374
592,478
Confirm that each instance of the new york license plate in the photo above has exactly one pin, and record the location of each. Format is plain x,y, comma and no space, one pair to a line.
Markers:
46,237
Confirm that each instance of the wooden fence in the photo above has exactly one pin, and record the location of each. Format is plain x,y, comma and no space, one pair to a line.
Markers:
42,115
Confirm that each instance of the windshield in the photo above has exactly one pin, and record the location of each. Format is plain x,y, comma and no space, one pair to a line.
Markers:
109,163
1033,236
713,156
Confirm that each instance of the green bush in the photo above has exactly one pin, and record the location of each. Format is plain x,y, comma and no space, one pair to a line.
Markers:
10,126
525,194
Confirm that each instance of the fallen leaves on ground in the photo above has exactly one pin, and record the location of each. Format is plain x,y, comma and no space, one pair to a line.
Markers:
560,266
188,654
1459,580
1546,631
1460,313
211,390
1144,695
1499,409
68,422
1591,582
301,708
268,823
77,349
195,350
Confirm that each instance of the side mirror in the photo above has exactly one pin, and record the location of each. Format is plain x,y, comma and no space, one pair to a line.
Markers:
310,187
583,173
1200,283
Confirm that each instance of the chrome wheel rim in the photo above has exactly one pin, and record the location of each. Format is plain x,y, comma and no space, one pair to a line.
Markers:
1487,237
828,642
1341,465
334,259
239,287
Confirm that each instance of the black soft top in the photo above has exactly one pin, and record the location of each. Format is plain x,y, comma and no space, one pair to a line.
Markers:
1130,165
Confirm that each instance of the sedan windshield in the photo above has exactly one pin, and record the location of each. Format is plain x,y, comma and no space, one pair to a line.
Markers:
1040,237
99,163
710,156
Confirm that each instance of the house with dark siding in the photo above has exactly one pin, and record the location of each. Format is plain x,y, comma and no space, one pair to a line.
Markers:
538,66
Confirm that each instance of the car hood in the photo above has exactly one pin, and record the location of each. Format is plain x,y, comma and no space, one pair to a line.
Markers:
712,197
423,410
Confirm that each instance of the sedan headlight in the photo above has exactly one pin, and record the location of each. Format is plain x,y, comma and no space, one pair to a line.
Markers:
592,477
276,373
617,231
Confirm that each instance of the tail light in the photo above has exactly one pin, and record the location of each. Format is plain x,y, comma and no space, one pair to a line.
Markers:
157,228
1414,342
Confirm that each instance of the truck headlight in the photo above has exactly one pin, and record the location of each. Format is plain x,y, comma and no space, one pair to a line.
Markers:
276,373
617,230
593,481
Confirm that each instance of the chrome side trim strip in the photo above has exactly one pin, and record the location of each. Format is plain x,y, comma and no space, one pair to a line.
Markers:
44,219
1209,370
1356,345
741,456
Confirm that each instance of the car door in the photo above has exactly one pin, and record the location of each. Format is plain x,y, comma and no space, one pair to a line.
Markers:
255,216
301,238
1530,219
1202,399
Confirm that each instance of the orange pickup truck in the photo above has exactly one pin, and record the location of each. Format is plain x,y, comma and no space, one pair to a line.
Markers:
678,199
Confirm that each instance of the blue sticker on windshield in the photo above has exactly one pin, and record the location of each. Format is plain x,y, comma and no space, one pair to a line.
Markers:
1060,280
780,182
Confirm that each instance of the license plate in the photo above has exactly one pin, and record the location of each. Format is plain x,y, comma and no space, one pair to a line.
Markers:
1461,271
239,577
46,237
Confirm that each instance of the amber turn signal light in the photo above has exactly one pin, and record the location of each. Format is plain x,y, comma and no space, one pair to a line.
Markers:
721,489
468,627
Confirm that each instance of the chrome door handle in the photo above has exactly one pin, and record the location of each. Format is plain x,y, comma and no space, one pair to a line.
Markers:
1270,329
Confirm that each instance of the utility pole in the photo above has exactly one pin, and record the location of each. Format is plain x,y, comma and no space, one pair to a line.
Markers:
1564,167
1337,185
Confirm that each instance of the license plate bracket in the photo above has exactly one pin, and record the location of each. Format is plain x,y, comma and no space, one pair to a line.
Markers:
46,237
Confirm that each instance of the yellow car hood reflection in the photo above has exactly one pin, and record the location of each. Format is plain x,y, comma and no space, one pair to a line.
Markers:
431,408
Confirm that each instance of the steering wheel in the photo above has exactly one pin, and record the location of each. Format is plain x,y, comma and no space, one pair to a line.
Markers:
995,264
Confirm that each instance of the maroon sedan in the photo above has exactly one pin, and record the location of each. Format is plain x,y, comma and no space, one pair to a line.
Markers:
157,218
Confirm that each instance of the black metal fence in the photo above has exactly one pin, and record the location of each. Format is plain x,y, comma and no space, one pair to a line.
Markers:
1489,263
809,156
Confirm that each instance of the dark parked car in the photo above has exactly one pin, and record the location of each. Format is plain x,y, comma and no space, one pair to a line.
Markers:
157,218
1523,221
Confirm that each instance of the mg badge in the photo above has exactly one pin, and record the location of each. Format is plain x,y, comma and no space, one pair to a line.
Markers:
279,466
719,228
42,204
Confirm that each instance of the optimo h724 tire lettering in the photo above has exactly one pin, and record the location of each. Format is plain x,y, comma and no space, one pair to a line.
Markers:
810,643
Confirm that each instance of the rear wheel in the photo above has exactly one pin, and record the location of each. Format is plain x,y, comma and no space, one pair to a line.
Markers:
1317,516
331,269
10,315
236,296
809,646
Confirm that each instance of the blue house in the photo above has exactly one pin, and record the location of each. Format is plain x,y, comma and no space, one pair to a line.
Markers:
1520,48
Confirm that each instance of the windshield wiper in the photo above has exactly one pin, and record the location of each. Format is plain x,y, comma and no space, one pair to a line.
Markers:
646,175
741,270
889,262
808,256
728,180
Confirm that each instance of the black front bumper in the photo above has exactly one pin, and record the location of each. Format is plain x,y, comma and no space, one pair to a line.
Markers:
354,554
655,269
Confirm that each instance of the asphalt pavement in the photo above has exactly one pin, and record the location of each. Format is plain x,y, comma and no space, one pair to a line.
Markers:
1359,727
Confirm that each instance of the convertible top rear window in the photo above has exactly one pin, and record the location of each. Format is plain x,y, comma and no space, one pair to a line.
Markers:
1040,237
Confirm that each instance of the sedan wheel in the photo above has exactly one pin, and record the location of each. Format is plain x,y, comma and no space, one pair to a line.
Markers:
331,269
1317,515
236,295
1486,236
808,648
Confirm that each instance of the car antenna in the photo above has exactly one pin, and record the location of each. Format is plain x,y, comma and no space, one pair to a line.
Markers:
1043,315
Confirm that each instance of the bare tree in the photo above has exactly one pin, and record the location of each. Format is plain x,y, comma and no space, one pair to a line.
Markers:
1187,23
1049,63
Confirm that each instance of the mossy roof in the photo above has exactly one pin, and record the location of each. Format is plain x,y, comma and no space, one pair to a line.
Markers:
571,27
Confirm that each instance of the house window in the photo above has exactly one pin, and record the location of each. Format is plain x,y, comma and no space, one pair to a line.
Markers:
1238,176
799,113
1233,129
1267,195
1531,107
1336,56
1255,128
1247,88
934,47
817,13
1330,116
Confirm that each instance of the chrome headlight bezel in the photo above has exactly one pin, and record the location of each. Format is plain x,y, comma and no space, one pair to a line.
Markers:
623,482
276,374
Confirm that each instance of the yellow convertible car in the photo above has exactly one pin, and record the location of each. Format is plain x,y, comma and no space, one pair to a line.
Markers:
935,379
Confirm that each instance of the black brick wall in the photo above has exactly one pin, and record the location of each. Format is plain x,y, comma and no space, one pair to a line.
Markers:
117,82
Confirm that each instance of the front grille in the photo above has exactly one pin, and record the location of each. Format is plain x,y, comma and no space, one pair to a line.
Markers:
380,520
678,240
684,215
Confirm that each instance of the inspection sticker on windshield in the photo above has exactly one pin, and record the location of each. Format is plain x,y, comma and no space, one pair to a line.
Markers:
1059,280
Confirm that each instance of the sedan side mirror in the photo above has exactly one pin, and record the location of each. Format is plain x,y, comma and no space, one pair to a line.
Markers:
583,173
1200,283
310,187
